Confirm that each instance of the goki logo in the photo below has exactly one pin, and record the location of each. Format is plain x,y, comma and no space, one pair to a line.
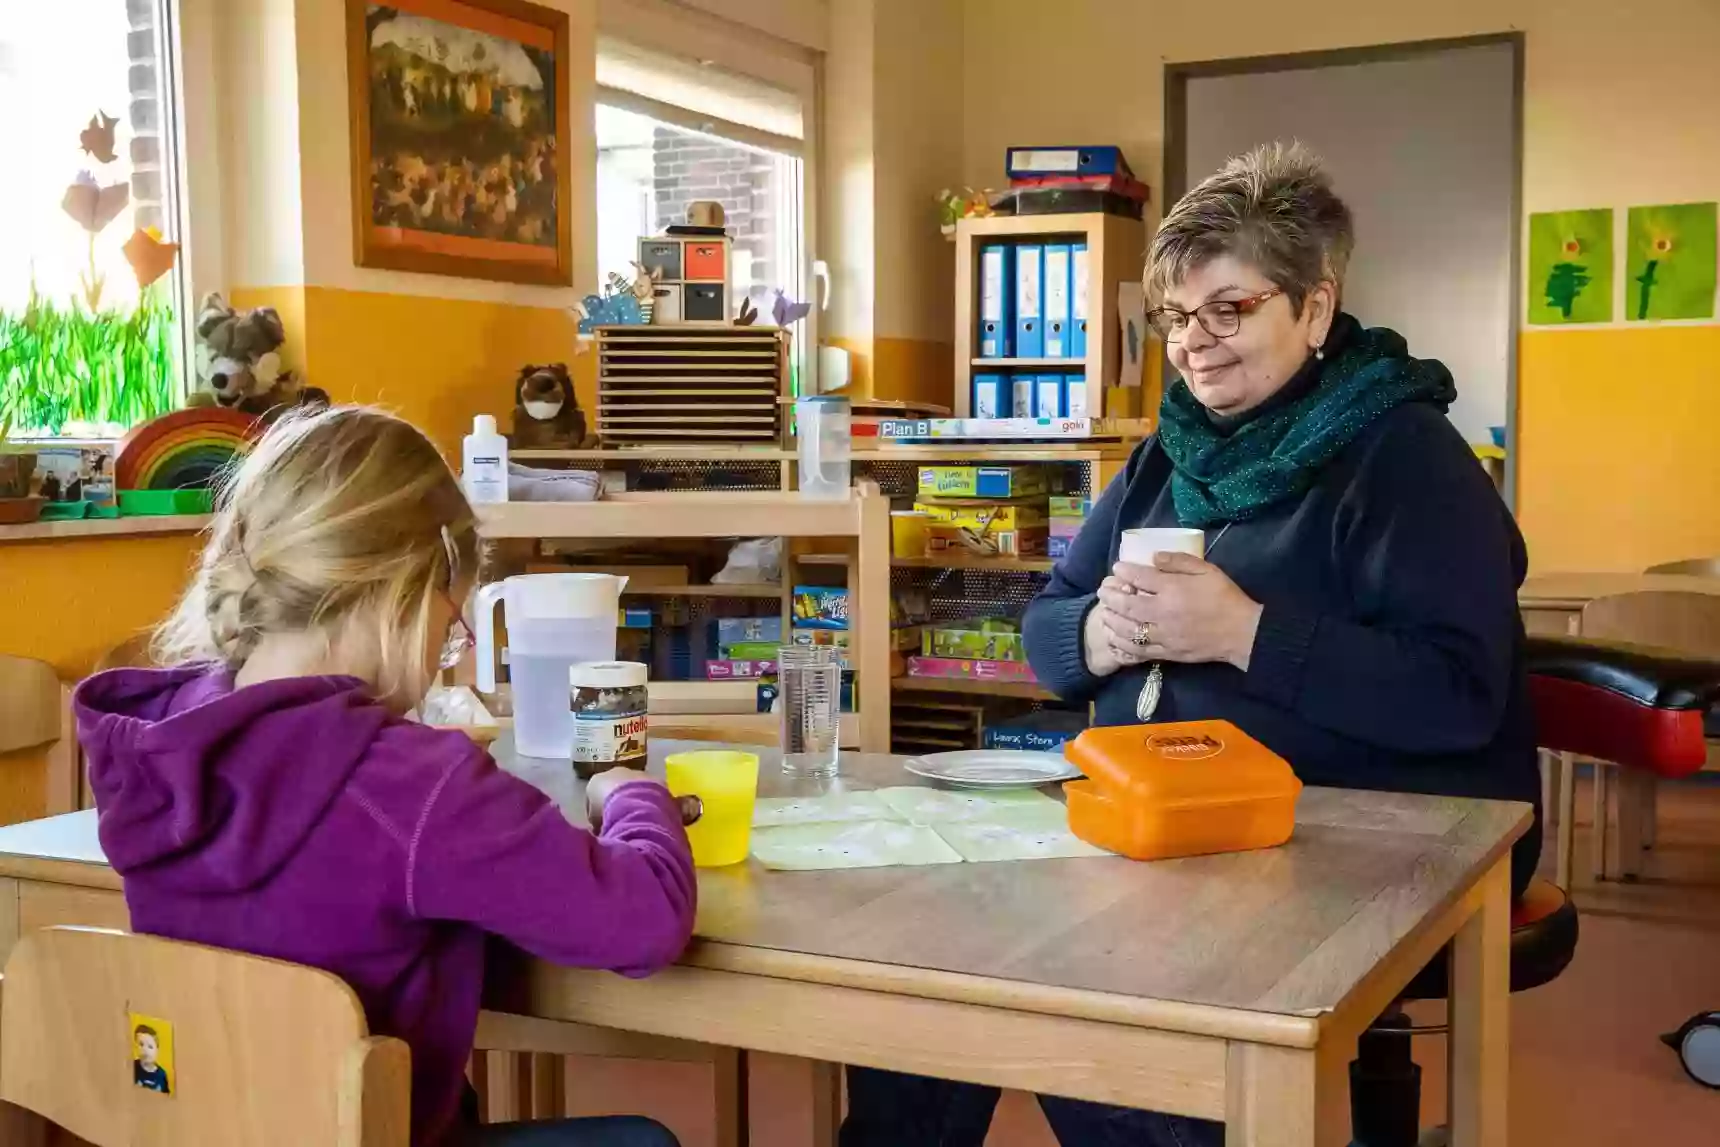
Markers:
1185,748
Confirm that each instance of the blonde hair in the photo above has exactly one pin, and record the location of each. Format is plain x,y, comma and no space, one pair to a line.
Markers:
337,517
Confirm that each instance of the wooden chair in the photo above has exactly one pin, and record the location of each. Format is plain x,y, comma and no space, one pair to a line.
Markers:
36,710
1695,567
263,1053
1686,622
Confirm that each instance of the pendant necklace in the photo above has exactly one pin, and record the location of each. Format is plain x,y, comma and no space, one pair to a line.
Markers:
1153,689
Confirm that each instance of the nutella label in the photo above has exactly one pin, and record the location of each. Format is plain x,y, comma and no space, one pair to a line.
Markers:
608,738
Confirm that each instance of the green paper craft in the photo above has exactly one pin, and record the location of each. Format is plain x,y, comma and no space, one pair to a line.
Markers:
920,805
1021,834
1669,262
830,809
1571,266
861,844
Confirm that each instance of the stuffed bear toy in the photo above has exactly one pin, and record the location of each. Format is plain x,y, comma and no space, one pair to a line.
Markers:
239,361
546,413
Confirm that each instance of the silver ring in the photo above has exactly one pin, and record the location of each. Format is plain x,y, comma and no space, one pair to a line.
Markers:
1143,634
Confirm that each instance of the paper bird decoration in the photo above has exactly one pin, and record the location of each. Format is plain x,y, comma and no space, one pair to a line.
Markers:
97,139
149,257
785,312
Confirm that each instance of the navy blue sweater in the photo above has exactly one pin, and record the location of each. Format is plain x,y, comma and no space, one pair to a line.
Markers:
1390,650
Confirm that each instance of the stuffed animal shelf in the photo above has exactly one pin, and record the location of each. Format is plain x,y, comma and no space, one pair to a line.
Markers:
239,361
546,412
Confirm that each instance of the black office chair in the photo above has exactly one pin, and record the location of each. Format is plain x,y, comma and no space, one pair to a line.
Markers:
1631,705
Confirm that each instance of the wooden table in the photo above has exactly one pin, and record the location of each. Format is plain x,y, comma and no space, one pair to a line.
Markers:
1553,603
1227,987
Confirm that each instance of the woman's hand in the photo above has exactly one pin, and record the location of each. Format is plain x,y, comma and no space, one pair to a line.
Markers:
1190,611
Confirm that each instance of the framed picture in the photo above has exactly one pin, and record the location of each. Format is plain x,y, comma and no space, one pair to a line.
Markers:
460,138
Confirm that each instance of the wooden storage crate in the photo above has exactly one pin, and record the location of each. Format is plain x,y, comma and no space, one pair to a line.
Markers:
679,384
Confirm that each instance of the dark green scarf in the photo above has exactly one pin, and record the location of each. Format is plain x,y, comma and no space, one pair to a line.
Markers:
1232,471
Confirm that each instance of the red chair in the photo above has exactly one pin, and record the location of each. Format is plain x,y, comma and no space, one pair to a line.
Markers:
1634,706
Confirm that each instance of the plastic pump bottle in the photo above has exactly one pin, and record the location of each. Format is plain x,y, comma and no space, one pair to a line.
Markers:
484,473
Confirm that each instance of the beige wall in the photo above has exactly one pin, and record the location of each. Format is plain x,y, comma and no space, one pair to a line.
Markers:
1615,460
917,102
1619,107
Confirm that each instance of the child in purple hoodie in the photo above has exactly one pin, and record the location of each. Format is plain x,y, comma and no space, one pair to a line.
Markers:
269,795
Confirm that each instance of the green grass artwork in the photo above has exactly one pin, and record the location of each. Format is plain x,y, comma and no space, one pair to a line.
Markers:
1571,266
61,362
1669,262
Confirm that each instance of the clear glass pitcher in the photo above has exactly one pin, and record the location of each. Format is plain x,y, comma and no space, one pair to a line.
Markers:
554,621
824,427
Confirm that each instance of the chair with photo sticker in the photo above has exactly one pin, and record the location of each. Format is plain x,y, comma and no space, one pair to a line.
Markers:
263,1053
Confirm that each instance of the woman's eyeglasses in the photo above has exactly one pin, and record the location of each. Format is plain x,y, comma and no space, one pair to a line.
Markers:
459,641
1220,318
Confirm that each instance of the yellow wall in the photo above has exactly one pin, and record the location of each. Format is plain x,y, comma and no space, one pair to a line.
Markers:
71,602
1618,109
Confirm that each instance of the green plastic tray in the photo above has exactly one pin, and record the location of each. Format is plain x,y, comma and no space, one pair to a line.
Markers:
156,503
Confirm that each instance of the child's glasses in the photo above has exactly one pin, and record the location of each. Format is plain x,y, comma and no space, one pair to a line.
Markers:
459,641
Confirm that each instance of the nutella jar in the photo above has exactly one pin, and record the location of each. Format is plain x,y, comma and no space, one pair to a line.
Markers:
609,722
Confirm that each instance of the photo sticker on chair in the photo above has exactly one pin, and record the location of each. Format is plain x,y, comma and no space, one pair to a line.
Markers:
152,1054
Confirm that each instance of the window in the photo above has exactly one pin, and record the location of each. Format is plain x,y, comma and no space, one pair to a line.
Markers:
87,114
671,132
648,172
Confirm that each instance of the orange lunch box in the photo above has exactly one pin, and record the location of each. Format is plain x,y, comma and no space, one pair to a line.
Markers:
1158,791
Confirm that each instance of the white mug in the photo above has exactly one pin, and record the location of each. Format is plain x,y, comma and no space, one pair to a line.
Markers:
1138,546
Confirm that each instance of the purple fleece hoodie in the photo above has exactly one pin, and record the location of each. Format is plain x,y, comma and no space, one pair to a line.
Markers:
299,820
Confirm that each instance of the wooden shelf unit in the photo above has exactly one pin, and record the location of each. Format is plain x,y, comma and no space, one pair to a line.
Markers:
1026,689
1114,252
862,520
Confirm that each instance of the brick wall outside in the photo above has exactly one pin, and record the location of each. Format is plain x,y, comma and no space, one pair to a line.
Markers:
144,116
688,167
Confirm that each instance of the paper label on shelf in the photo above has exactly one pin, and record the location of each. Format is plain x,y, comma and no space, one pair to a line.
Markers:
1062,159
1027,287
991,292
1056,284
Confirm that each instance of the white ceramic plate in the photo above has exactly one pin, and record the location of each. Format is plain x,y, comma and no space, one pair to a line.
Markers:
993,768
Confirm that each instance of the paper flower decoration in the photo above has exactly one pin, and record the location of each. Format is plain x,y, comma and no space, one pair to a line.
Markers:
92,205
149,257
97,139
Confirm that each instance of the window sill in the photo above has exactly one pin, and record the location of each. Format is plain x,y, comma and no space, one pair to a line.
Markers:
105,528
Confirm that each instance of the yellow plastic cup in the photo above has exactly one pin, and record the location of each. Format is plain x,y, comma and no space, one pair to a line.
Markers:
727,783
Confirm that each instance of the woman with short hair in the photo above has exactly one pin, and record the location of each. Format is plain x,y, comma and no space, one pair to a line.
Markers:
1356,611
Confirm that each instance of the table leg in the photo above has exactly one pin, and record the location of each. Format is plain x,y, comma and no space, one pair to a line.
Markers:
1479,1047
732,1097
1602,818
1283,1097
21,1128
1567,819
1630,818
826,1103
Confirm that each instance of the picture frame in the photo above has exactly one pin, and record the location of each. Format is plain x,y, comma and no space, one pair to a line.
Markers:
461,140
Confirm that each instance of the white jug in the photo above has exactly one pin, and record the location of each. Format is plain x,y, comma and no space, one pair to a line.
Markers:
554,622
